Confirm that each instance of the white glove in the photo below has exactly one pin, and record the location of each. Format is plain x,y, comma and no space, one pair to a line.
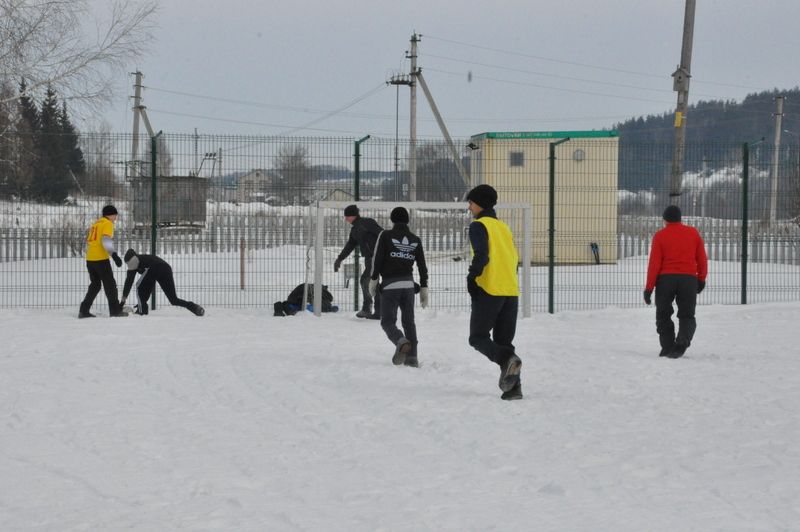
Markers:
423,296
373,287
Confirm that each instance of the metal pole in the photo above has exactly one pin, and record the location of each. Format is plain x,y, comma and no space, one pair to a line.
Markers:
773,199
153,202
681,86
318,263
551,244
745,177
527,235
357,195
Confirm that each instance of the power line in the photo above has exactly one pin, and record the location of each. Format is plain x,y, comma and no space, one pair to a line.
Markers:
584,65
370,116
513,82
570,78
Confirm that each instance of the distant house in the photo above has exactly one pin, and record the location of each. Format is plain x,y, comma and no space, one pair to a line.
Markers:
337,194
258,185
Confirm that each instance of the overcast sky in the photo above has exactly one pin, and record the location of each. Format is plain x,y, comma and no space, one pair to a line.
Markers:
535,65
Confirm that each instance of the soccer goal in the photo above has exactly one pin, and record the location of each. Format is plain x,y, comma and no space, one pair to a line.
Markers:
443,229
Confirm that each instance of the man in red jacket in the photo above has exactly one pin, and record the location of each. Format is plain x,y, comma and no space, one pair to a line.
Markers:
677,270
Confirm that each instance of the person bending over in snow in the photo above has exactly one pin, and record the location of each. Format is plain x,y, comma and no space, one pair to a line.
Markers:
153,269
395,253
677,270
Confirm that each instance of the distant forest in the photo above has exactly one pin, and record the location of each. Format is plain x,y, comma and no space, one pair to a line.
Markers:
715,131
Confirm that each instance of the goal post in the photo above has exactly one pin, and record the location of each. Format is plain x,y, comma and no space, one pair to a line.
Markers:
442,227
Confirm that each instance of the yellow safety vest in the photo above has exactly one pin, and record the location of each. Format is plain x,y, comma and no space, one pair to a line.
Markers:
499,276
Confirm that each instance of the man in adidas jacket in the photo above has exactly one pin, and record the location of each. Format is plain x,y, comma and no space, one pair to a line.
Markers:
395,254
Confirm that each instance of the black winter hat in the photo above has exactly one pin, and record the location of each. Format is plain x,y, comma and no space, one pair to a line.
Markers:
130,253
672,214
483,195
109,210
399,215
351,210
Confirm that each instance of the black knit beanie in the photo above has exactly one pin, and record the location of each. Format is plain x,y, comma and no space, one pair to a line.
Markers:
109,210
399,215
351,210
483,195
672,214
130,253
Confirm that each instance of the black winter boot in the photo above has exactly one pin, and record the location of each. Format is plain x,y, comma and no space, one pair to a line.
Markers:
411,358
403,349
513,394
509,371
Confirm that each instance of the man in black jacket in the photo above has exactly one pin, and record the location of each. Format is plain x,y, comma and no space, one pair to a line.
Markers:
153,270
395,253
364,234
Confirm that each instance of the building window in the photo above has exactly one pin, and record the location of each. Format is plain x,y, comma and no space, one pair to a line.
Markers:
516,158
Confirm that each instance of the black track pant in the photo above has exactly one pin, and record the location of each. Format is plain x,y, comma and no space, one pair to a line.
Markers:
683,290
391,301
161,274
495,314
101,274
364,281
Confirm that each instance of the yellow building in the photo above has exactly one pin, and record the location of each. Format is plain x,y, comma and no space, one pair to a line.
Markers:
517,165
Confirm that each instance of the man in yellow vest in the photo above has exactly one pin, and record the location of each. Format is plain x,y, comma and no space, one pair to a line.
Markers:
492,285
99,247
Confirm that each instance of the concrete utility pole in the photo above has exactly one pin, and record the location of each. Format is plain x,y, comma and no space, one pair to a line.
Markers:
412,158
137,101
773,199
681,86
446,134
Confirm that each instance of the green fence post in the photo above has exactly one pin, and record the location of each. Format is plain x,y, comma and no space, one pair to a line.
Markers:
551,244
357,196
153,203
745,178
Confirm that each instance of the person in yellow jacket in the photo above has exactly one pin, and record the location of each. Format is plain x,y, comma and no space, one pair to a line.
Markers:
99,247
492,285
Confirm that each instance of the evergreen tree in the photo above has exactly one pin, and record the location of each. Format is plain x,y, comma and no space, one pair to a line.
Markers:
70,144
52,182
26,158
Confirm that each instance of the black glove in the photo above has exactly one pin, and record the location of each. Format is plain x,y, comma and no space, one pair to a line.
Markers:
700,285
336,264
472,286
117,260
647,294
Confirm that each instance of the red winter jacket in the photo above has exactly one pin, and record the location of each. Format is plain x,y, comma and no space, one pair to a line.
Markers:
677,248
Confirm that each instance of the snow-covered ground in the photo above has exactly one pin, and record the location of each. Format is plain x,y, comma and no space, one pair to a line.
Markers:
241,421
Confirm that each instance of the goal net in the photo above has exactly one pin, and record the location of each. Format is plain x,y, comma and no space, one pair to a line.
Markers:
443,229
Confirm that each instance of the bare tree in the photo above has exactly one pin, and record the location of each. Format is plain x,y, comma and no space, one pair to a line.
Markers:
48,42
295,171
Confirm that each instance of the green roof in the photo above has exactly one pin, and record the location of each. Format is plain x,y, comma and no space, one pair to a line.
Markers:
547,134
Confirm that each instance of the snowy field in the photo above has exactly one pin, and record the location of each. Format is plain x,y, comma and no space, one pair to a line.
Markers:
241,421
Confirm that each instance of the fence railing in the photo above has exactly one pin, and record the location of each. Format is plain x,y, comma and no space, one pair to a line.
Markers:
233,217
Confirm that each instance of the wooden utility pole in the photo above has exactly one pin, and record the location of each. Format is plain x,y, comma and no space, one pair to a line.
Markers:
681,86
773,198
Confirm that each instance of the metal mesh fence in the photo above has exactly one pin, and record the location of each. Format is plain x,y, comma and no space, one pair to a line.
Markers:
231,213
